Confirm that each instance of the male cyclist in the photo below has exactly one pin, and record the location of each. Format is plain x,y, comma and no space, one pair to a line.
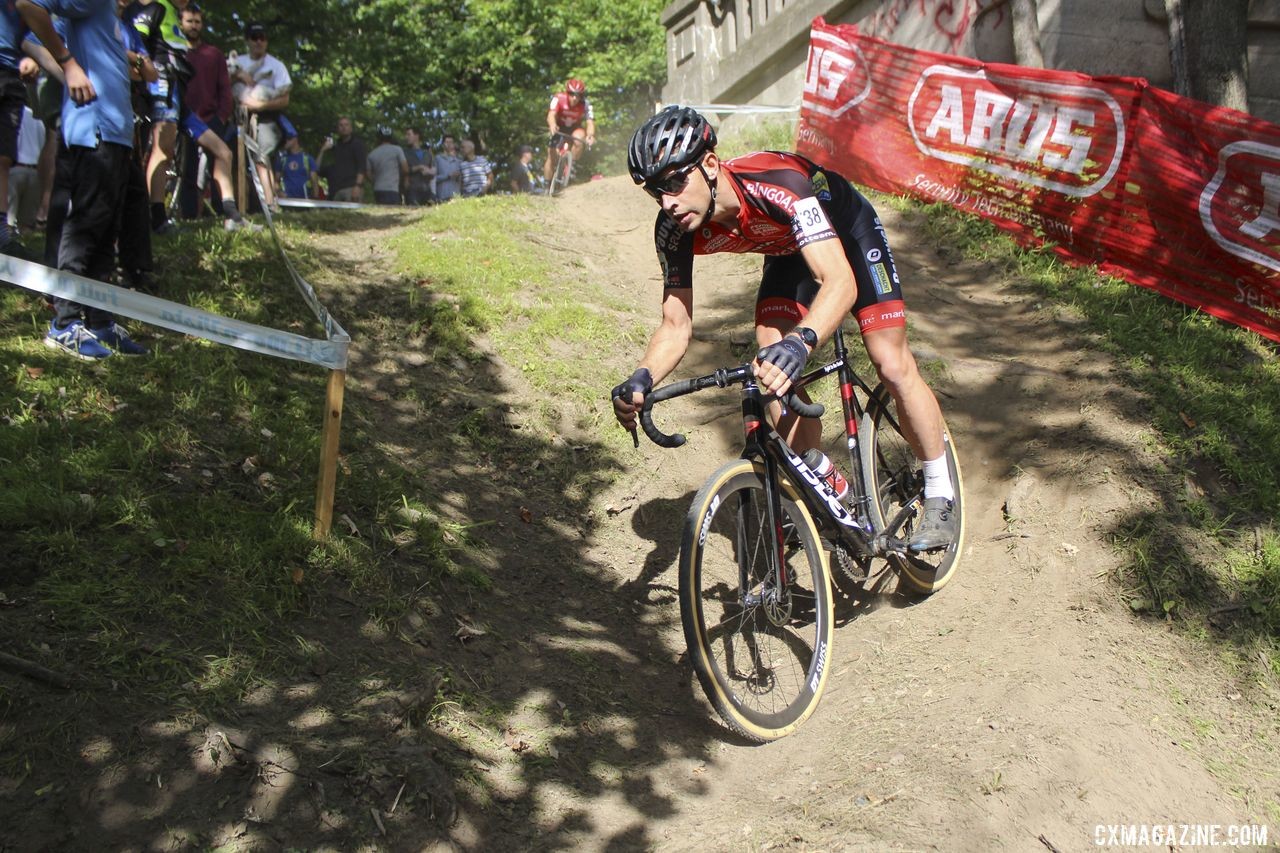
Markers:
570,114
826,256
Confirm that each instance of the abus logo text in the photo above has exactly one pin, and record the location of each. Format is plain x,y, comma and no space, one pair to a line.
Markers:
1060,137
836,79
1240,206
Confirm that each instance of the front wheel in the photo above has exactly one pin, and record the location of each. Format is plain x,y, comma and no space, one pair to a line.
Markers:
564,170
760,648
898,478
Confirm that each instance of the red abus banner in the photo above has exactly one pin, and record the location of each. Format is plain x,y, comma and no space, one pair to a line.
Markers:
1163,191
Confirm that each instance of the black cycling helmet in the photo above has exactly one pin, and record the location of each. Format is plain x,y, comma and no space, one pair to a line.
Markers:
677,136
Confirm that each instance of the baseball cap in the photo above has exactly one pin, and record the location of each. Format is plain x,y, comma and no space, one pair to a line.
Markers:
254,29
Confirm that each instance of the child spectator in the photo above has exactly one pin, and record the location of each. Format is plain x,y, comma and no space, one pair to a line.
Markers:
295,170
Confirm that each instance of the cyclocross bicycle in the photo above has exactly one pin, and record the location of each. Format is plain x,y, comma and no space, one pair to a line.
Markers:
755,578
562,145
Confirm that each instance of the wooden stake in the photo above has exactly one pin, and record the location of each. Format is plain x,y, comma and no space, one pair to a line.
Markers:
241,188
328,480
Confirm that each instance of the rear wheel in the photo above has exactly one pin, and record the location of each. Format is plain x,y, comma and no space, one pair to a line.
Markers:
891,465
760,651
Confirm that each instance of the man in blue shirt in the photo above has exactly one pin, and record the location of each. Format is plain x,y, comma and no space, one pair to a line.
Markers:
97,136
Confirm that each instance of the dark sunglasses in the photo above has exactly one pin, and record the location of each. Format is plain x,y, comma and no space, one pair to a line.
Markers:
258,37
672,184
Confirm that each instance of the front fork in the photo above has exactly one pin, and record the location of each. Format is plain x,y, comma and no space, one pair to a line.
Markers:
775,585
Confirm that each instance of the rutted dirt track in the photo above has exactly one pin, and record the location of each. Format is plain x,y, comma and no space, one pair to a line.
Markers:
1022,705
1018,709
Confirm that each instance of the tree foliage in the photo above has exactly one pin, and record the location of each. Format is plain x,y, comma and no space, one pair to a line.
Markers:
484,68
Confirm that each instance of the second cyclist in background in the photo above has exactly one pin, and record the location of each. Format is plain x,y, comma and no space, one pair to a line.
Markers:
569,115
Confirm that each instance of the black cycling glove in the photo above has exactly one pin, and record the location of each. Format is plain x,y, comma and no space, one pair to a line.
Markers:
641,381
788,355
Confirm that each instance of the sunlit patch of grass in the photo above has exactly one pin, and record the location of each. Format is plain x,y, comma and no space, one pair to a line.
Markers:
162,506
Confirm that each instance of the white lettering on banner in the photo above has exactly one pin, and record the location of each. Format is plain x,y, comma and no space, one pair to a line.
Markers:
1019,129
1242,185
833,62
1269,218
1054,229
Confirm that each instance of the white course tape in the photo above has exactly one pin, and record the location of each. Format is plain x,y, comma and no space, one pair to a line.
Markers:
331,353
742,108
333,331
317,204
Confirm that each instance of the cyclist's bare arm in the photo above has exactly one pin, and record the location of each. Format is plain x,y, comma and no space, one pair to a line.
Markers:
836,294
551,122
667,346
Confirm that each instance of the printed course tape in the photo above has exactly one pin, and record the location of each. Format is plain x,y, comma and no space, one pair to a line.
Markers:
332,330
330,353
317,204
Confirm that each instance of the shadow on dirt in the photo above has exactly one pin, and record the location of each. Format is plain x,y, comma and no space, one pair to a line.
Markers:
487,716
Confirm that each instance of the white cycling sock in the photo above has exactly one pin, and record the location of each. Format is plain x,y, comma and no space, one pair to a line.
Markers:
937,479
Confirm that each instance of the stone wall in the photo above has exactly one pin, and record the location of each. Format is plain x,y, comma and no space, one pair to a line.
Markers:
754,51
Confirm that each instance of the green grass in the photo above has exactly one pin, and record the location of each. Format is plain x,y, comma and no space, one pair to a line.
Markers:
1211,554
160,509
479,265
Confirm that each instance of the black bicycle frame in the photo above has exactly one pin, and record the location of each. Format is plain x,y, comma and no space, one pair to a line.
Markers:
763,443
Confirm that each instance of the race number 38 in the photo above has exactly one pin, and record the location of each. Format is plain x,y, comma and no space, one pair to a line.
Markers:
810,219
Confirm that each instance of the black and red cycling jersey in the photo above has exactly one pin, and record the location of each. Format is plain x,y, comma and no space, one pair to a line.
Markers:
786,203
569,116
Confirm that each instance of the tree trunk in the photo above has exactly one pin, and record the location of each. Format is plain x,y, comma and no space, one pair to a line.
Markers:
1026,34
1208,49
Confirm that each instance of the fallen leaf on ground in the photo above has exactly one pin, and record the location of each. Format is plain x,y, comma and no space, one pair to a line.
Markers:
514,741
526,515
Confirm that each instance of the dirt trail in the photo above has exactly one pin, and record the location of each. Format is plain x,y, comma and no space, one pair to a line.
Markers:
1017,710
1022,702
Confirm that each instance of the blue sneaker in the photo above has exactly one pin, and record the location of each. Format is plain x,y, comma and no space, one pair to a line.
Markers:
118,339
76,341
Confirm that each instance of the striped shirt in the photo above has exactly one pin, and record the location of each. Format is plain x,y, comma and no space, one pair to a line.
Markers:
475,174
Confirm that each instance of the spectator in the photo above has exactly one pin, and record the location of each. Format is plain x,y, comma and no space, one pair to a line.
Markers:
295,170
477,174
448,169
422,168
133,228
261,84
388,169
208,97
522,180
13,98
158,24
97,125
24,181
344,170
46,96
